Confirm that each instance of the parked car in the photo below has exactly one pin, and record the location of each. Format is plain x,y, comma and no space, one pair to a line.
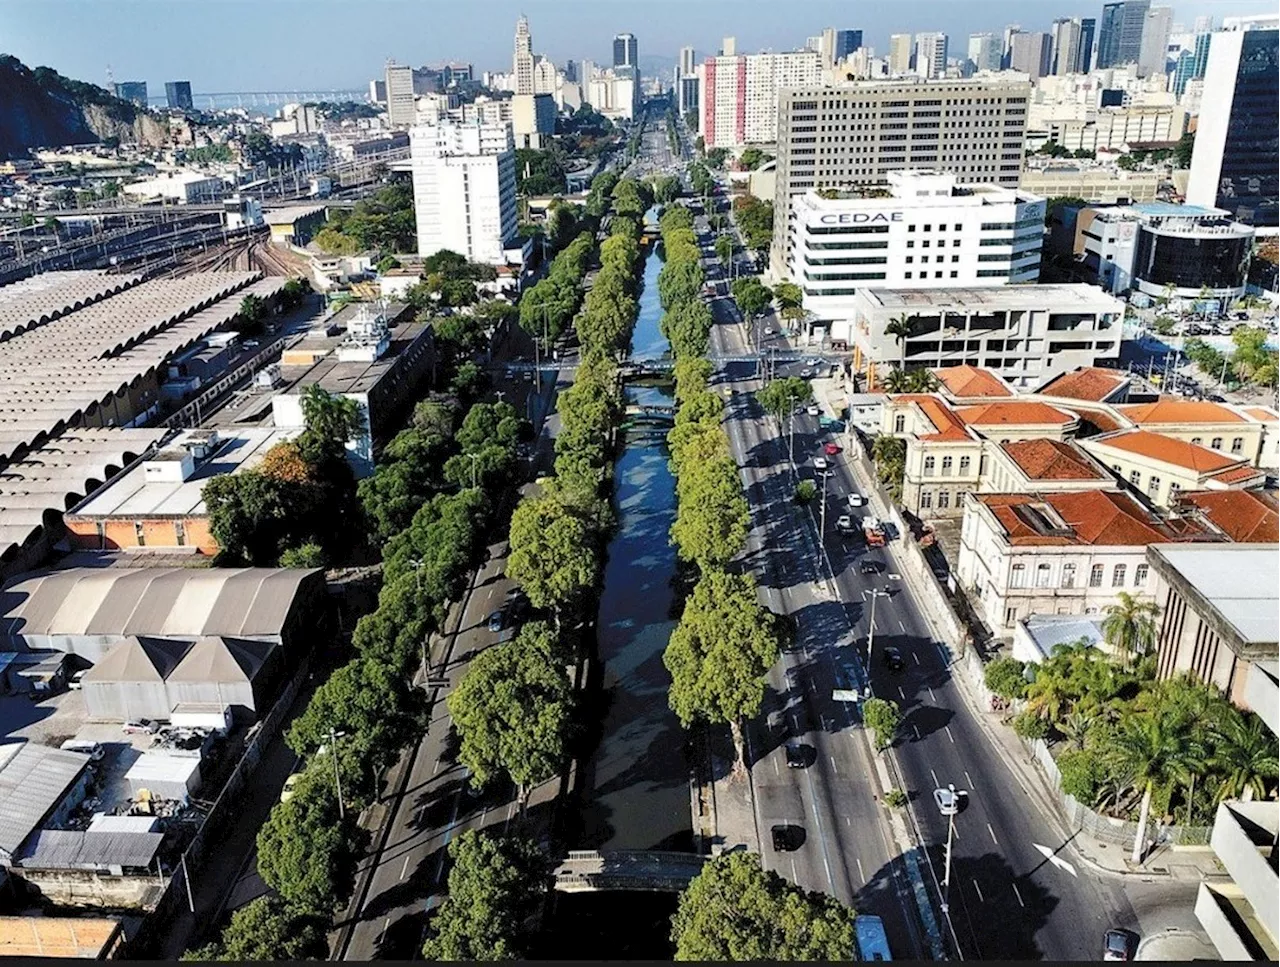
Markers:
799,755
869,567
806,373
856,500
820,463
845,525
287,792
831,449
814,361
1117,945
141,726
813,409
787,838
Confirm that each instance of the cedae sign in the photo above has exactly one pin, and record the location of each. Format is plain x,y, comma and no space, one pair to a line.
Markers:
860,218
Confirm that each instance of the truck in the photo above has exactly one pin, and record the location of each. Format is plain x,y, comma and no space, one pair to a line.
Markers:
873,944
873,530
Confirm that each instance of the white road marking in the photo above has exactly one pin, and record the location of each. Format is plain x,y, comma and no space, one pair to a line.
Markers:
902,626
833,766
862,876
935,779
404,868
970,778
979,889
775,767
949,735
993,834
1018,894
916,729
932,697
901,693
794,875
916,657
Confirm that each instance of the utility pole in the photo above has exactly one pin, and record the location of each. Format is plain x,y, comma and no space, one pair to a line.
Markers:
337,776
946,872
822,526
871,632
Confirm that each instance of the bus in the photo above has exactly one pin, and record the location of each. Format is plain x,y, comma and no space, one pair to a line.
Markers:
872,942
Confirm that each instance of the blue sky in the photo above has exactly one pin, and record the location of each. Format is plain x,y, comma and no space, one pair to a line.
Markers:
280,45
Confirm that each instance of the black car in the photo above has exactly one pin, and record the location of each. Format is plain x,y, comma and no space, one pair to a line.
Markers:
869,567
892,658
786,838
799,755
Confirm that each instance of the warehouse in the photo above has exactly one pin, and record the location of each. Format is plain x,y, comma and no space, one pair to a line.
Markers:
129,682
38,786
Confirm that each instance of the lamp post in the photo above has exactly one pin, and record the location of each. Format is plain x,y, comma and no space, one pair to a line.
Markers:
418,564
871,632
334,736
822,515
946,870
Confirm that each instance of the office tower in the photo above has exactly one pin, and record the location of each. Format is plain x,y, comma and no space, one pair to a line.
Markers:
979,148
464,188
1191,64
847,41
400,97
1007,49
1030,53
688,61
729,47
177,94
931,55
1066,46
378,91
899,54
1154,52
1120,32
1203,25
1085,62
571,71
135,91
625,51
984,52
523,60
740,94
1233,165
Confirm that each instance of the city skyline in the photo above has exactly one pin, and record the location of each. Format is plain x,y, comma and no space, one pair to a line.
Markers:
92,36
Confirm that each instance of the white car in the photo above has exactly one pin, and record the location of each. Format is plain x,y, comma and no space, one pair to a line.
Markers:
844,524
806,374
856,500
820,463
814,409
948,800
813,361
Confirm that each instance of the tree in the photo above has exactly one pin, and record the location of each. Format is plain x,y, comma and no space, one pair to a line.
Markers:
900,327
666,189
1005,677
883,718
782,395
331,421
496,888
1127,162
712,516
1130,626
752,158
719,653
752,297
303,849
736,911
512,710
304,555
1184,149
788,295
897,381
724,248
1243,752
553,551
267,928
890,455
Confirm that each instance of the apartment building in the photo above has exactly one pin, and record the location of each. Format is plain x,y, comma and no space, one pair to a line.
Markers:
1114,128
739,94
401,109
852,134
1162,468
1102,184
931,55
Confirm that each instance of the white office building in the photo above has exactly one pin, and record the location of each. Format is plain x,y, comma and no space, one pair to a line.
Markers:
931,55
739,96
924,231
401,109
464,188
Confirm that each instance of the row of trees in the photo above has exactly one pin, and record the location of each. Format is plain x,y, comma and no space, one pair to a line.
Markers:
755,221
1250,362
724,642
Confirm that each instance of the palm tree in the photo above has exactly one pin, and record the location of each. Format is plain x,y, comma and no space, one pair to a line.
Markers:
1075,727
922,381
1243,753
900,327
1049,695
1130,626
1149,753
898,381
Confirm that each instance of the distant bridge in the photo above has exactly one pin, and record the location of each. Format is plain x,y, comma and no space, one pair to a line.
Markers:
650,871
654,367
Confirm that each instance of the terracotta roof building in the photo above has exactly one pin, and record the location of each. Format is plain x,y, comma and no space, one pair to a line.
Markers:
1244,516
1022,413
971,382
1090,383
1023,466
1161,467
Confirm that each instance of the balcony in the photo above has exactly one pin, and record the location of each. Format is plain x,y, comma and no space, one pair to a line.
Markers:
1262,693
1243,918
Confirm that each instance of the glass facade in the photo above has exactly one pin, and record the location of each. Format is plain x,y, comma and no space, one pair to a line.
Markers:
1249,184
1192,261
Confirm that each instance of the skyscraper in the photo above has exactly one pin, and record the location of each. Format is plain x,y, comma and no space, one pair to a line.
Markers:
1007,48
1154,52
1233,165
1120,33
401,107
931,55
847,41
1085,62
1191,64
688,61
899,54
984,52
522,64
626,51
1066,46
177,94
1030,53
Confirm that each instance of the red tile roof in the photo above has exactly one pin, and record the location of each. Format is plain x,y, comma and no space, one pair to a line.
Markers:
1052,460
1262,415
971,381
1174,411
947,425
1235,475
1028,413
1178,453
1093,517
1086,383
1247,516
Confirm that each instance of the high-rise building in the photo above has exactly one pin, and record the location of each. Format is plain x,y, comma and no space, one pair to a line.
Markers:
1007,49
688,61
978,148
177,94
984,52
1233,165
847,41
1031,53
1204,25
522,63
1120,32
739,99
1191,64
464,188
1154,53
1066,46
1085,62
900,49
931,55
135,91
626,52
401,108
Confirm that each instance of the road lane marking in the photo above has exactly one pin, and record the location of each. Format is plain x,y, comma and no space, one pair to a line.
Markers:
993,834
833,766
936,785
916,657
970,778
916,729
1018,894
949,735
404,868
933,698
862,876
979,889
794,875
901,693
775,767
902,626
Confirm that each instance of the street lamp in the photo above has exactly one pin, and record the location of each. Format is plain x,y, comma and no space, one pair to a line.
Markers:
946,870
871,632
418,564
822,526
334,736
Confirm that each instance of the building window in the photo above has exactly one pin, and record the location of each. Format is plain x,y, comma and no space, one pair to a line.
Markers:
1018,576
1237,444
911,243
1068,575
1095,576
1140,576
926,499
958,228
1117,576
907,275
1010,615
1153,486
1043,575
929,463
1135,478
1197,440
1216,443
899,423
1174,488
964,464
910,259
944,499
946,466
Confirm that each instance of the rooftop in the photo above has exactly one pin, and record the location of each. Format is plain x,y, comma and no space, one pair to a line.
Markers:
45,936
1050,630
1020,413
1245,516
1087,383
338,376
1064,297
1052,460
971,381
1238,581
287,216
32,783
1168,410
1177,453
41,298
946,424
1087,517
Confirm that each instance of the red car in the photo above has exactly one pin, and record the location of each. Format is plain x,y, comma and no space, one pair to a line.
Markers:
831,449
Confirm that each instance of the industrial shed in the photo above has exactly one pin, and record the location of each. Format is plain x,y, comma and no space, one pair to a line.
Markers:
87,611
221,671
38,786
129,682
164,776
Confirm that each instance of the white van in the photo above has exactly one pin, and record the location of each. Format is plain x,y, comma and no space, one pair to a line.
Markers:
92,749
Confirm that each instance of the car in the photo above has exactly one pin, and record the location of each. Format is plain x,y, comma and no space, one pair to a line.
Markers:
787,838
251,344
1216,398
869,567
856,500
813,409
948,800
814,361
820,463
140,727
497,620
799,755
1242,315
806,373
76,682
1116,944
844,524
289,785
831,449
770,330
892,659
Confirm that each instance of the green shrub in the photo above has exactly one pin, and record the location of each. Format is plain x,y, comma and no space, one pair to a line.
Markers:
1080,774
1004,677
1030,726
806,490
895,798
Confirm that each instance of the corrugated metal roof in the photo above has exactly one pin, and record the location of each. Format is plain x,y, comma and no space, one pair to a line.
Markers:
216,659
138,660
76,849
151,766
31,784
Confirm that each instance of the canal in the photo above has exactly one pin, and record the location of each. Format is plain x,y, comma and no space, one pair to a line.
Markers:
635,785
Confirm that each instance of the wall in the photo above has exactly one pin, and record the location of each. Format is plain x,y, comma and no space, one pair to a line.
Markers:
99,534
